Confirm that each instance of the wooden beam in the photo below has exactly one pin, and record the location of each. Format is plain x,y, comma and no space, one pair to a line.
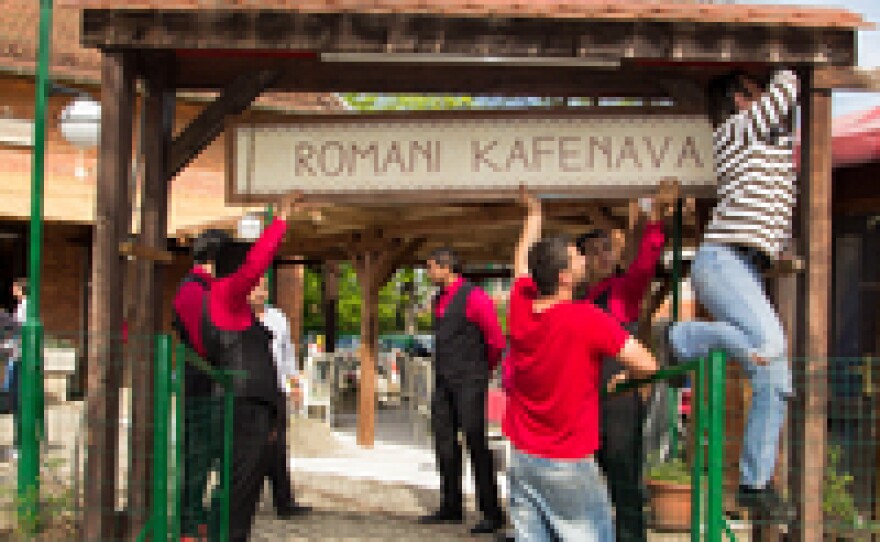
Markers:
847,78
136,250
158,119
111,225
814,327
234,99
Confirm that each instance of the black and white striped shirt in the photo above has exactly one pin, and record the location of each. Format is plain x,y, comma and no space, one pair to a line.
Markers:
754,162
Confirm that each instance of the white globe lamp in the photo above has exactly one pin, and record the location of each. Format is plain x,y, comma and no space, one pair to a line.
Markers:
81,127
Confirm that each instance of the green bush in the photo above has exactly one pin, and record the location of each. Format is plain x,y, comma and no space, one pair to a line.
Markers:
838,503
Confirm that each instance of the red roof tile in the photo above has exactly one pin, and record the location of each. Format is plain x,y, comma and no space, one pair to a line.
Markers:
579,9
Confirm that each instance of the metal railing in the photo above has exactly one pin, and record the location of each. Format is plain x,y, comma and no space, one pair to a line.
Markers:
708,377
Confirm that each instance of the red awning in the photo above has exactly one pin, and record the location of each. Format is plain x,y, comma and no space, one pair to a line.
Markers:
855,138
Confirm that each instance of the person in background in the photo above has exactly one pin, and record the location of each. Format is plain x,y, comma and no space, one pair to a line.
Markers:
553,383
468,347
276,322
750,228
198,404
13,366
620,293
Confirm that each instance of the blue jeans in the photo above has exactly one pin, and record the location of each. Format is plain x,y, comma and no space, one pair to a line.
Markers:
558,500
730,287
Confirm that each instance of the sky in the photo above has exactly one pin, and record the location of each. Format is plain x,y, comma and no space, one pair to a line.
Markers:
868,48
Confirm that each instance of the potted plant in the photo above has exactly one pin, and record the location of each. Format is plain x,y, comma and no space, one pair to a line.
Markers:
669,494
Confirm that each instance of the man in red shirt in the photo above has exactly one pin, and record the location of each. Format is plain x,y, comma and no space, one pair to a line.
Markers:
187,321
468,346
553,381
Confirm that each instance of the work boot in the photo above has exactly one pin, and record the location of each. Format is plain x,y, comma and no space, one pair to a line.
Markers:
488,526
292,511
442,516
765,503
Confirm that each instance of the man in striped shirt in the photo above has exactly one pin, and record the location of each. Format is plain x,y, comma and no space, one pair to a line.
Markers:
749,229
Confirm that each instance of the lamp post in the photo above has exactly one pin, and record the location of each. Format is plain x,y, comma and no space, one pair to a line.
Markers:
31,399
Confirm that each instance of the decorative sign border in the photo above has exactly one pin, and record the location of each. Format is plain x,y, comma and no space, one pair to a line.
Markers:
460,156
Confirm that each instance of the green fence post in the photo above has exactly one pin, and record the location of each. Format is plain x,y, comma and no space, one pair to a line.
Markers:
697,459
229,405
162,404
179,391
714,509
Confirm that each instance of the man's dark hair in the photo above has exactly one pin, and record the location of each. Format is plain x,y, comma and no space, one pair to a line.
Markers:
208,245
721,92
547,258
22,283
582,240
446,257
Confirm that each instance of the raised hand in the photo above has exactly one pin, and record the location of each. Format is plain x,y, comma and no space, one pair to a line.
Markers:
290,204
529,200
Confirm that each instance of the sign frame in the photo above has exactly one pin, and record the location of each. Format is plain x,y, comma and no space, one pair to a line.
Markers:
426,196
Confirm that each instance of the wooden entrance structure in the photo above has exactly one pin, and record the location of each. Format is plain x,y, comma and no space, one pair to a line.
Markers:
561,48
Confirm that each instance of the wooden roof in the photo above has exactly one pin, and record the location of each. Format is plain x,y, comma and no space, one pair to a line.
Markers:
72,62
647,10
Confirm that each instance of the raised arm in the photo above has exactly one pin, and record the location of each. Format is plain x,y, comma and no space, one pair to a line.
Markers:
769,114
530,234
260,256
638,275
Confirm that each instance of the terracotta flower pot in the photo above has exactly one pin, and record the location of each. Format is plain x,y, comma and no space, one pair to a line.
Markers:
670,505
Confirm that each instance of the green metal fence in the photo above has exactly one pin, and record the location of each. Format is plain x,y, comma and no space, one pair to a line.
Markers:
707,519
210,418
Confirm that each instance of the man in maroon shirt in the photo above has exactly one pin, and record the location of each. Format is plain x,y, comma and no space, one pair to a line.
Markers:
620,291
553,381
468,346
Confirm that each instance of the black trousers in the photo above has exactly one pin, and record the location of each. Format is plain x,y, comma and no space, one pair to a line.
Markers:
253,424
461,406
621,458
202,448
279,473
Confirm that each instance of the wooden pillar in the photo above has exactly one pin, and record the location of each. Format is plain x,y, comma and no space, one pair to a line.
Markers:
329,298
111,224
157,130
808,423
289,281
370,282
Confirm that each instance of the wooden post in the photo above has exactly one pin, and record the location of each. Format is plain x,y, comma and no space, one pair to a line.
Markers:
111,224
809,420
289,283
158,124
367,269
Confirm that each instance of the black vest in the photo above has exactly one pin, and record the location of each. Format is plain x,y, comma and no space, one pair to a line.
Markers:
248,351
197,383
460,348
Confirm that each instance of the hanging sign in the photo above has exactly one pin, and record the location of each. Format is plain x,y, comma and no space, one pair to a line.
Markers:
397,158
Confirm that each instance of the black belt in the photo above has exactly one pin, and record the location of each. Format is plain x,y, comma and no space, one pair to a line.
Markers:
755,255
